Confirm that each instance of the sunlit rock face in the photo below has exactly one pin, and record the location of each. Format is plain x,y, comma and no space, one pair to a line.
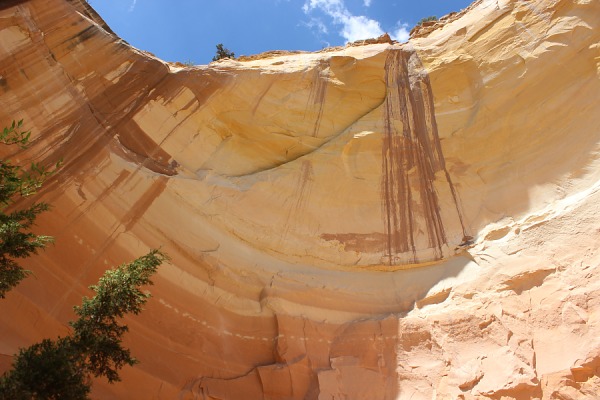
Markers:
384,221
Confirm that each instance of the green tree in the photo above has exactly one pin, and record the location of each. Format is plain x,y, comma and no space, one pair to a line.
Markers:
97,332
427,19
16,239
63,368
46,370
223,52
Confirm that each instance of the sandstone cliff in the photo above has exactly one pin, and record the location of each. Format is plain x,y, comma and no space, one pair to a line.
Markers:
409,221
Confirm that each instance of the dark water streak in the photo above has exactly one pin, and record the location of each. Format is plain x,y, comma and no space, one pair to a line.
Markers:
318,92
411,157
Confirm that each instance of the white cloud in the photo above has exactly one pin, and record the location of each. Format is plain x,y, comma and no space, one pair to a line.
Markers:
132,7
353,27
360,27
317,24
401,33
367,3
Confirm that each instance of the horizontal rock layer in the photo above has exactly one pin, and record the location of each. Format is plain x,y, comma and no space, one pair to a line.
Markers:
412,220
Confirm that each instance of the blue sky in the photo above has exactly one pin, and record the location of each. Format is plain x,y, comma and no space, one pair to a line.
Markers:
188,30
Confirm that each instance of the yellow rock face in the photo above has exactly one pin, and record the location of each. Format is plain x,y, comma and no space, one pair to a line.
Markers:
385,221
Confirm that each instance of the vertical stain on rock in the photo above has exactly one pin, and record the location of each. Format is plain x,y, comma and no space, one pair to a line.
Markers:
134,214
299,196
317,94
122,177
145,202
411,158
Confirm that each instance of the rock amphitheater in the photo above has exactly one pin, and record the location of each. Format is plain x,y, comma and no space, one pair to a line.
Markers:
385,220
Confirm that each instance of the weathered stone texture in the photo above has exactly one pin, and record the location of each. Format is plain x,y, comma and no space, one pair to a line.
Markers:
383,221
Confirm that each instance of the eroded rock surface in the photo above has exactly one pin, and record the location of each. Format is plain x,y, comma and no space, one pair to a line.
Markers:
384,221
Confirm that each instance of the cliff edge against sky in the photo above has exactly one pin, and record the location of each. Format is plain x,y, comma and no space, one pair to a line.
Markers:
411,221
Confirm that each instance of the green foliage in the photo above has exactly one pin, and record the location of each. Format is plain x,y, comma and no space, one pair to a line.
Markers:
46,370
97,331
16,239
63,369
14,135
223,52
18,242
427,19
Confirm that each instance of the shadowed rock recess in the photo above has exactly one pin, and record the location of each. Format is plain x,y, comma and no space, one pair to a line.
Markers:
380,221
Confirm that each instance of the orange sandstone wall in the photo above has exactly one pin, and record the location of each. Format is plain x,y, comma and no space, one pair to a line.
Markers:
385,221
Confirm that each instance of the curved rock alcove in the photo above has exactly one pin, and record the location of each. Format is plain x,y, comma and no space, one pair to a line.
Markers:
391,220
